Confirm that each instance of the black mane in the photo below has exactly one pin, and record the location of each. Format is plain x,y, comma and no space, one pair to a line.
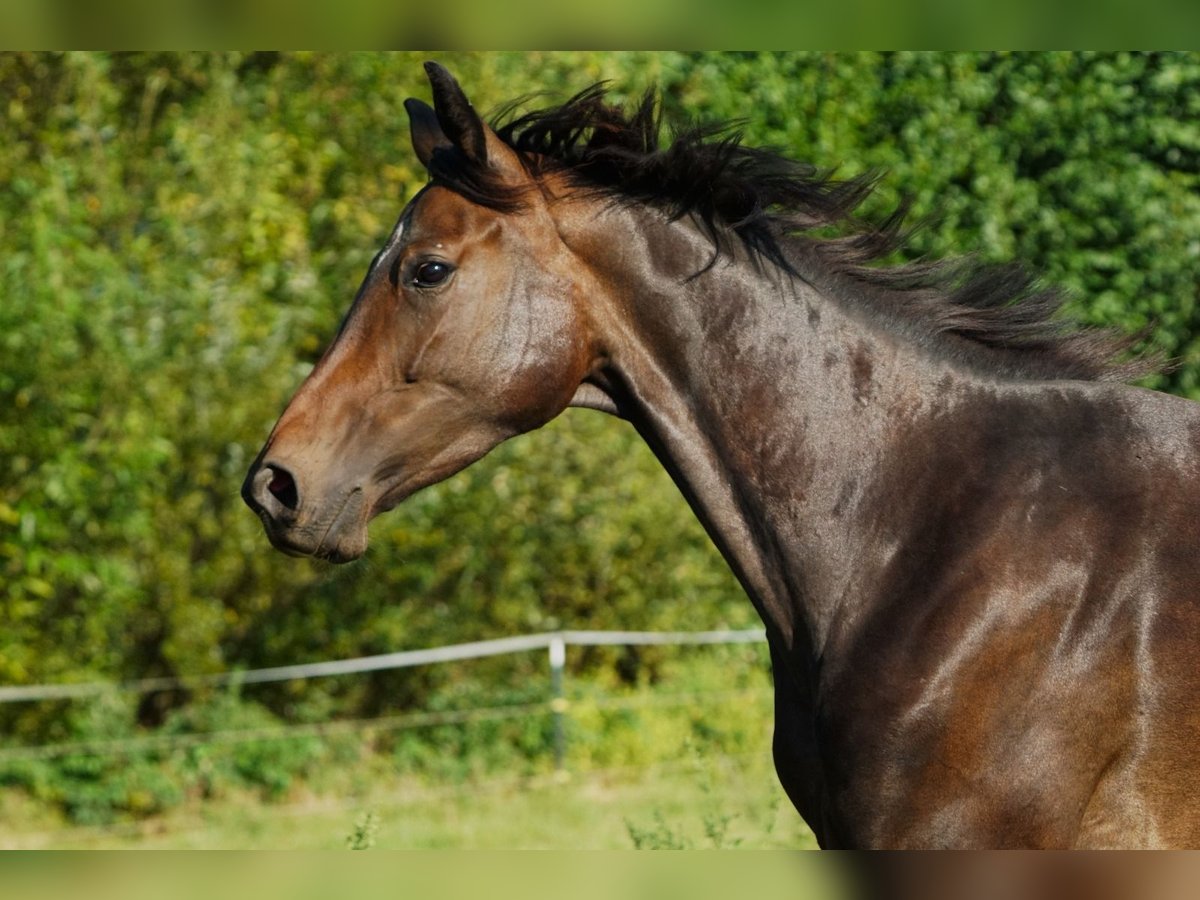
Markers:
772,203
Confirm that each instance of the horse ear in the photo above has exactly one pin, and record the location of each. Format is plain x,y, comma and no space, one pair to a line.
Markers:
453,122
457,117
427,134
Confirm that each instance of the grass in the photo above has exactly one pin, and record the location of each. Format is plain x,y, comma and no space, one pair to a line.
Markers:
701,802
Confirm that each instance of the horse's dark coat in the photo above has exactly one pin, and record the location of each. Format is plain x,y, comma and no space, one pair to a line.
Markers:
975,552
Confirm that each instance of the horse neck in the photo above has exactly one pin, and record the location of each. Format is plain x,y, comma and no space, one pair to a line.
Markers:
766,402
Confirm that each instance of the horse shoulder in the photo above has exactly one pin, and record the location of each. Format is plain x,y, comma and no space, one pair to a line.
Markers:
1029,634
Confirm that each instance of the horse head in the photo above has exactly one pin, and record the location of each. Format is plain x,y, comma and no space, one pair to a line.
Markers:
467,329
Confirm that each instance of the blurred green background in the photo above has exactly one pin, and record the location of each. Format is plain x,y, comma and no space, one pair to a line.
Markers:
179,237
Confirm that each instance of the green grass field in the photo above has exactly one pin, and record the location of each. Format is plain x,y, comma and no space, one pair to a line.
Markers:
724,802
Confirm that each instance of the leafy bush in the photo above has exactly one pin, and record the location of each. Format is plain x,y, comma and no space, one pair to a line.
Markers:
112,768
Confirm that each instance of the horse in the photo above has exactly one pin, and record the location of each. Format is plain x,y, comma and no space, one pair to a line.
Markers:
974,546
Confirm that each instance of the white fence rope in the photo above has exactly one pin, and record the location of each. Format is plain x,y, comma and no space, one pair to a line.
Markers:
398,660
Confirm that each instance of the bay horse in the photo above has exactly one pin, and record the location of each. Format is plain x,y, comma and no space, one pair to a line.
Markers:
975,549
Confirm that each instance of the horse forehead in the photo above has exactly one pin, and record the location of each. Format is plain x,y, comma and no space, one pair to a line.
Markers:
445,214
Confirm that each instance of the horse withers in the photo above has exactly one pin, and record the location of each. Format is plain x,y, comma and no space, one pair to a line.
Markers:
975,550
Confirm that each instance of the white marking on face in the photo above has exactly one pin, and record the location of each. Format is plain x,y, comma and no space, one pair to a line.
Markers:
393,241
397,233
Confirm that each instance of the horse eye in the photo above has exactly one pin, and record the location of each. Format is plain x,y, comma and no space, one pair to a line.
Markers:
429,274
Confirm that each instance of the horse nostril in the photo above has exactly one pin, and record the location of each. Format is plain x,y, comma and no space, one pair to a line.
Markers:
283,487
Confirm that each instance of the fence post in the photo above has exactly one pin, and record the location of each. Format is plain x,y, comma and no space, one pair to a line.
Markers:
558,703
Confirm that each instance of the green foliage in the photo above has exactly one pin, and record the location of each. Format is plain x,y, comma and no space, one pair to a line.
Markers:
717,823
270,764
604,734
657,836
223,745
181,234
115,769
362,837
477,745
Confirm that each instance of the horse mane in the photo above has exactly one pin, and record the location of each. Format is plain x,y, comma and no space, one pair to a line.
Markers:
772,204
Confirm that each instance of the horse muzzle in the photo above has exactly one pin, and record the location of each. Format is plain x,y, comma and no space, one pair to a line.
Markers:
333,529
